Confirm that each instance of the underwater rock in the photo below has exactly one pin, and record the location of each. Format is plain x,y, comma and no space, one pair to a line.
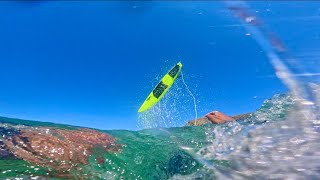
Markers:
5,153
182,163
59,149
6,132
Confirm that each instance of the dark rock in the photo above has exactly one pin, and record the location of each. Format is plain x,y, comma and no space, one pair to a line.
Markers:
6,133
57,148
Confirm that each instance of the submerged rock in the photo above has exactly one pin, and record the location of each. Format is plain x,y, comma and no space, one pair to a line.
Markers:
6,132
59,149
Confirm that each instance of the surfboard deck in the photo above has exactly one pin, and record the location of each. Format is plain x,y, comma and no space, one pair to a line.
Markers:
162,87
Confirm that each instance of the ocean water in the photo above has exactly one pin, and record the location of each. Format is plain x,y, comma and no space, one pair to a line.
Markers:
280,140
192,152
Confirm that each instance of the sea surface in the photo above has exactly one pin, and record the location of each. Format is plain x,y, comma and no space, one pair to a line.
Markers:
280,140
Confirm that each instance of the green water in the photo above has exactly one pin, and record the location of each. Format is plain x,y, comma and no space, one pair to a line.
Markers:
14,168
145,154
148,154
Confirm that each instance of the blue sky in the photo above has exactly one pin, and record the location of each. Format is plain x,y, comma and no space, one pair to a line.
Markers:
93,63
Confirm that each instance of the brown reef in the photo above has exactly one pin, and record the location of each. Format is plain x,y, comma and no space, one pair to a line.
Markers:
59,149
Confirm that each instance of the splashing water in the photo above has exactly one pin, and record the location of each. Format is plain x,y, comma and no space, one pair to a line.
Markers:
279,141
164,113
282,150
194,99
172,109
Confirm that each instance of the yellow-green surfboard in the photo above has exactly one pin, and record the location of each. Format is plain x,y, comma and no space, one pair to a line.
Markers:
160,90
